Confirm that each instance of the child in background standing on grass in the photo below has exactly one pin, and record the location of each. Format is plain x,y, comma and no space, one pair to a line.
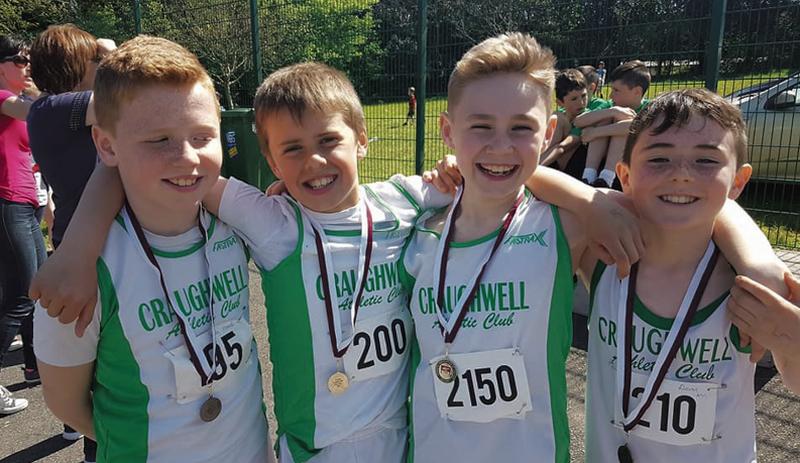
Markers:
167,370
605,130
412,105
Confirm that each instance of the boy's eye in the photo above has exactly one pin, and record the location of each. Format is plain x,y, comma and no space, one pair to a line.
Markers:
480,127
157,140
707,161
329,140
520,128
291,149
658,160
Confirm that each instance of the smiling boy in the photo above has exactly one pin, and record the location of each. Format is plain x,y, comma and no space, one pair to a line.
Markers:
157,377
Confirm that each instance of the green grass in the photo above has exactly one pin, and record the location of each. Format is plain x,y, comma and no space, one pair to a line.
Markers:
392,145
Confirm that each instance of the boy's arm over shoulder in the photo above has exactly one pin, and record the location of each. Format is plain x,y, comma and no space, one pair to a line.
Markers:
268,224
66,284
607,227
412,190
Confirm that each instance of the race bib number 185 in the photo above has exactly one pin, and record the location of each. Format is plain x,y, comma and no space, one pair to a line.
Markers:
488,385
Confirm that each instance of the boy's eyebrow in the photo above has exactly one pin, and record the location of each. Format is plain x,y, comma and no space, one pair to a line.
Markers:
705,146
289,142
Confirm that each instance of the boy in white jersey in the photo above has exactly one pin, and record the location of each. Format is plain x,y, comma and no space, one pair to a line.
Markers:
668,377
168,354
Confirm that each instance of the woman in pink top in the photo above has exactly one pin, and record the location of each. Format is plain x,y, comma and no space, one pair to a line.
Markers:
21,244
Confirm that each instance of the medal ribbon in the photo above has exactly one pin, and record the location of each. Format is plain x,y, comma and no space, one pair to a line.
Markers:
340,346
689,305
189,337
451,326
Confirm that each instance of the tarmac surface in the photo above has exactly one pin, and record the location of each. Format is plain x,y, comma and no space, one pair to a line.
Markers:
34,435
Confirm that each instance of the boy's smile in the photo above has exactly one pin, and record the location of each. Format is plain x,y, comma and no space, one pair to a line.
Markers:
497,130
167,148
683,176
316,158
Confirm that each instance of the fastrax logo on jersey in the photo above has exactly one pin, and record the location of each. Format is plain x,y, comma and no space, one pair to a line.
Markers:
531,238
224,244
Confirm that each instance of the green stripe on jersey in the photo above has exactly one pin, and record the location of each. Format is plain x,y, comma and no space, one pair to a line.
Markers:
291,351
121,425
559,339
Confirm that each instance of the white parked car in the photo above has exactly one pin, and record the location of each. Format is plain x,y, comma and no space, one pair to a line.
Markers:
772,113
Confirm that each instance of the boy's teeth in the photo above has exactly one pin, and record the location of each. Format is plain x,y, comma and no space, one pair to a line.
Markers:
498,168
318,183
183,181
678,199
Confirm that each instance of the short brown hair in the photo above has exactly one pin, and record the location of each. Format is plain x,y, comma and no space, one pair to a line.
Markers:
633,74
505,53
567,81
59,56
138,63
303,86
675,109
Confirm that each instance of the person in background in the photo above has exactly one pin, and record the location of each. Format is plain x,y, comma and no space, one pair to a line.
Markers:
601,75
21,242
64,60
412,105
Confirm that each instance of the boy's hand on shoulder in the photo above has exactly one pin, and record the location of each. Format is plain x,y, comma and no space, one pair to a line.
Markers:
767,316
67,288
445,176
278,187
612,232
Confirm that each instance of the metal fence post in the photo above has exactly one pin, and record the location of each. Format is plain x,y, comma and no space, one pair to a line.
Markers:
137,16
714,47
422,78
255,37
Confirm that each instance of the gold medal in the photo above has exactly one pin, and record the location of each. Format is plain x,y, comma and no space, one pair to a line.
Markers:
338,383
210,409
445,370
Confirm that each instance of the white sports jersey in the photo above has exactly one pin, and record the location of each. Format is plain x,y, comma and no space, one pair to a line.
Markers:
705,409
279,233
508,401
147,395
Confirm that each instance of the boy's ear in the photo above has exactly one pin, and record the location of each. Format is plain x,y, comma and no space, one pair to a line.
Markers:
273,166
104,143
624,176
446,129
740,180
362,141
552,123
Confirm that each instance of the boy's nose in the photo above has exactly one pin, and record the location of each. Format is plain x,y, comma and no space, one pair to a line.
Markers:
500,144
187,154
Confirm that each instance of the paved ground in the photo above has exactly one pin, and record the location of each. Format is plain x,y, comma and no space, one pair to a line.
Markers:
34,435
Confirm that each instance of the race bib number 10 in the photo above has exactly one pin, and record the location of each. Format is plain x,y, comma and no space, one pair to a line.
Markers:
680,414
488,385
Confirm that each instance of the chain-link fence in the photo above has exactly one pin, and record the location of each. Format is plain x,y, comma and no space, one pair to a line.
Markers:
746,49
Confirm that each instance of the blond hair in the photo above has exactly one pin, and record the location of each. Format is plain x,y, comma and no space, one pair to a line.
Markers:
307,86
141,62
505,53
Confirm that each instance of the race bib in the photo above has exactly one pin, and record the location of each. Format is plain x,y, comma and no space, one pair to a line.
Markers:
487,386
379,346
234,345
681,413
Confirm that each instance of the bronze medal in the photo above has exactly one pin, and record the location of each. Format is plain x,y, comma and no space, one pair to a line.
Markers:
624,454
210,409
338,383
446,370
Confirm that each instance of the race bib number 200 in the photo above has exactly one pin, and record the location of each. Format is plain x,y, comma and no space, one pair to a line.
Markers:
380,346
487,386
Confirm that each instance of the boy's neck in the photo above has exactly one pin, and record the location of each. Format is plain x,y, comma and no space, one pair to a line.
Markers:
479,216
164,223
675,250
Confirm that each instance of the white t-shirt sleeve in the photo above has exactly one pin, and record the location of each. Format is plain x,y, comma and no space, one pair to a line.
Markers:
56,344
267,224
423,194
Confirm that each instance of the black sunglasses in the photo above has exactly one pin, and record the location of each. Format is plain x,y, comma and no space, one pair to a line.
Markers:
19,60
